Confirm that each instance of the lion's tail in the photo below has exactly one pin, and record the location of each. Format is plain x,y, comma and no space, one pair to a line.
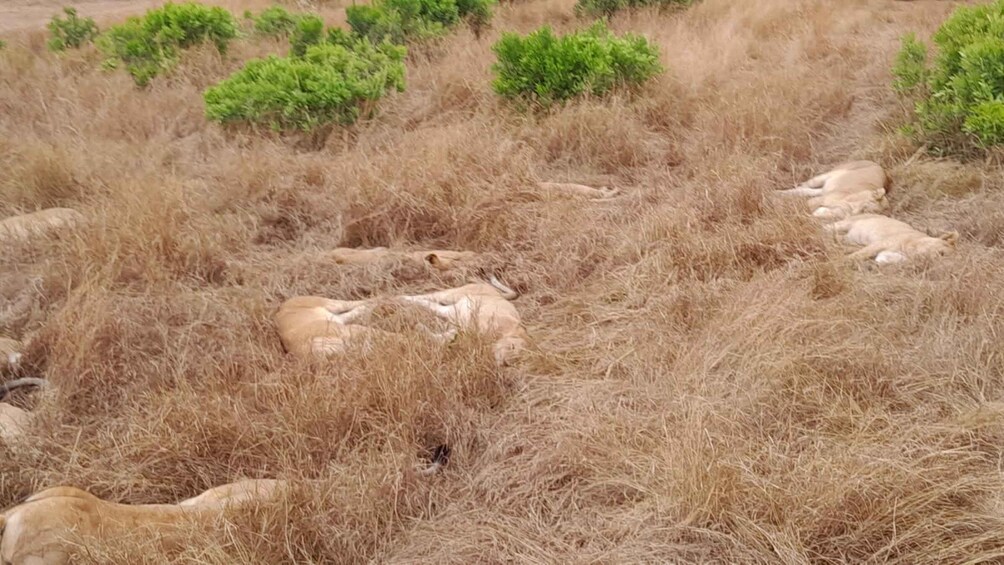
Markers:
439,458
507,293
18,383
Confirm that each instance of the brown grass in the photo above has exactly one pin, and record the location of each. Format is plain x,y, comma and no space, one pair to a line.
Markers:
709,380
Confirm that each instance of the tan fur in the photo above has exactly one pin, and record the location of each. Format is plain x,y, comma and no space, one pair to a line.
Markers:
239,491
26,227
840,205
890,241
436,258
10,353
555,189
13,421
45,528
312,326
315,326
482,307
850,188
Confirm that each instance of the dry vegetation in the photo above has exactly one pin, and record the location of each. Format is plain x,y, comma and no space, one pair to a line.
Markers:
709,381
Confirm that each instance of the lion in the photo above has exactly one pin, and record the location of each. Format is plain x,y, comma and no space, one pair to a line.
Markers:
14,420
554,189
47,527
890,241
239,491
26,227
855,187
439,259
481,306
313,326
10,354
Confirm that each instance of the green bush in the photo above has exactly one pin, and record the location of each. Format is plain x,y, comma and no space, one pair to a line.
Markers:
910,67
544,68
609,7
400,21
331,83
960,96
276,21
152,43
309,31
477,13
71,31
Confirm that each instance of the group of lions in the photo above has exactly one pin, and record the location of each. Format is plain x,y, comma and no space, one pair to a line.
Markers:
852,196
20,230
47,527
315,326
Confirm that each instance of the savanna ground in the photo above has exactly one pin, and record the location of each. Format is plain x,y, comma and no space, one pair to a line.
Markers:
709,381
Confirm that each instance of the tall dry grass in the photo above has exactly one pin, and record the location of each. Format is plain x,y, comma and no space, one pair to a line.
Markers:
709,381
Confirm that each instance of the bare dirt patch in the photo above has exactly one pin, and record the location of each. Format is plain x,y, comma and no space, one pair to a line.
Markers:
23,15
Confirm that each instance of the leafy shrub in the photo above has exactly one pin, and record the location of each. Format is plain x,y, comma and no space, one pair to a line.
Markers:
276,21
400,21
910,67
960,97
151,44
71,31
477,13
609,7
545,68
331,83
308,31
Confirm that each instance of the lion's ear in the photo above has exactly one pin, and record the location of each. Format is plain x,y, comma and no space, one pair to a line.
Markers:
434,260
951,237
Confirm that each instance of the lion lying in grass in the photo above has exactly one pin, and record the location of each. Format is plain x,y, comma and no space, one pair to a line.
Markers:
856,187
890,241
10,354
556,189
312,326
483,307
442,260
14,420
46,528
26,227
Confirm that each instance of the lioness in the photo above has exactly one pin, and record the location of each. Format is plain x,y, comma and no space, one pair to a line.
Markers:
10,353
38,224
239,491
889,240
855,187
14,420
553,189
45,528
49,525
315,326
436,258
484,307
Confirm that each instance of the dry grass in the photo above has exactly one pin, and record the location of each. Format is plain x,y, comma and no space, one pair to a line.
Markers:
709,381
